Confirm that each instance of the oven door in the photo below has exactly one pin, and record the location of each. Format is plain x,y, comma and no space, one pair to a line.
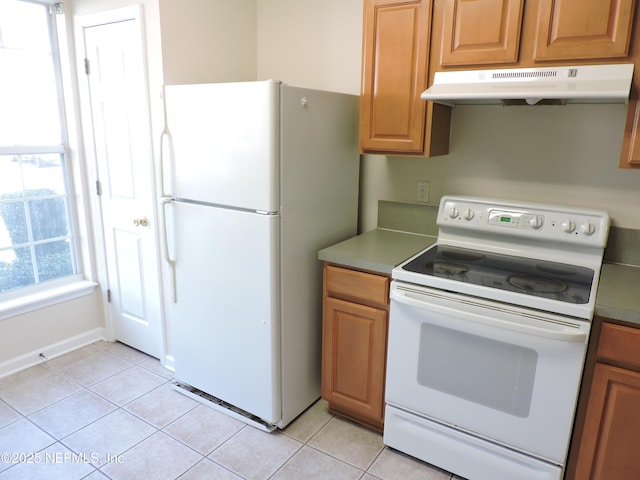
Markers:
501,373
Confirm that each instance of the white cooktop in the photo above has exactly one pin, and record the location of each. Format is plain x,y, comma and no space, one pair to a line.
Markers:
545,257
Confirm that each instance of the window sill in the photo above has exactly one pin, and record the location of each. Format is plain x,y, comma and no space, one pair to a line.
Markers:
36,301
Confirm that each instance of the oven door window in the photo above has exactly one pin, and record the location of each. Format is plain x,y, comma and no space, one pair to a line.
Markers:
481,370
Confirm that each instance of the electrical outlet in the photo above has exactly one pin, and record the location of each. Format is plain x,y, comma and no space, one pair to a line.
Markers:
423,192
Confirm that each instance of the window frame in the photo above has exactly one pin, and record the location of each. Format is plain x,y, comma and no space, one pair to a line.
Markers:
49,292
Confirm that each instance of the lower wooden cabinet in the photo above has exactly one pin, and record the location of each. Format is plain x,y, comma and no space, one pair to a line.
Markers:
611,435
609,444
354,343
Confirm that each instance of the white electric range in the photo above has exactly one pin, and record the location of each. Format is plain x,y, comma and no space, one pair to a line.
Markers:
488,331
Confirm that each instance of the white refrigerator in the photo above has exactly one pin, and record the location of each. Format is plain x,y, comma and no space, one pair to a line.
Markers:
257,177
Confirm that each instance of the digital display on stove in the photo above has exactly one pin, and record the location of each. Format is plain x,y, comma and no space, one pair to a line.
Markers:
505,219
558,281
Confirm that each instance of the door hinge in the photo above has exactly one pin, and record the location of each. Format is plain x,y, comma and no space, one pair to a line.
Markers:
98,188
108,295
87,69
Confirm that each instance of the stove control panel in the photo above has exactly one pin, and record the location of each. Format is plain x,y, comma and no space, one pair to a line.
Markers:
545,222
505,218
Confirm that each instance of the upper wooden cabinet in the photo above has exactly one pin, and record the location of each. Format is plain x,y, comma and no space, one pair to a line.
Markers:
405,42
484,32
480,32
393,118
630,155
583,29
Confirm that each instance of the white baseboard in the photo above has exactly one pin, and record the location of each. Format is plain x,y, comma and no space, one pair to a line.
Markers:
54,350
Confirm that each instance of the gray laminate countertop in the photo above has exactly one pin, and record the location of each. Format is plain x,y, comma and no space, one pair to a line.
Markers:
619,293
377,250
406,229
380,250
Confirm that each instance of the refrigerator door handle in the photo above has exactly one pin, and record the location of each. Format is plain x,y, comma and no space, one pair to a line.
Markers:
165,248
165,136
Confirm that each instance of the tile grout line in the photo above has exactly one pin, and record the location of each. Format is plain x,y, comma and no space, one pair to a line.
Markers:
312,430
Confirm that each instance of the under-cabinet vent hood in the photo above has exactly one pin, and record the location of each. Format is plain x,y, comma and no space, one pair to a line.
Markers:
555,85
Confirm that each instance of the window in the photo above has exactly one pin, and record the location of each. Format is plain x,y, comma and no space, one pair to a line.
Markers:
37,241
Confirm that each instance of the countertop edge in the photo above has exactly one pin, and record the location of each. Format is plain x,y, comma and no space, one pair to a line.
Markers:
378,250
616,299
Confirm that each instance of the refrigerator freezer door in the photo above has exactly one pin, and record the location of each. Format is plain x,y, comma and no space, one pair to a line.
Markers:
224,144
225,321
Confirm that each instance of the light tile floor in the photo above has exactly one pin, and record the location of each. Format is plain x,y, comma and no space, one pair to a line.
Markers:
109,411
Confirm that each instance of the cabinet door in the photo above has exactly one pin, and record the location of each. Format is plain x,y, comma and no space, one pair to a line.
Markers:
583,29
353,359
630,154
608,448
394,74
480,32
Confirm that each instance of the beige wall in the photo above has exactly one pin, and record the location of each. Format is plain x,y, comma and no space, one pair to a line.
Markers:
51,330
556,154
566,155
208,40
311,44
548,154
70,323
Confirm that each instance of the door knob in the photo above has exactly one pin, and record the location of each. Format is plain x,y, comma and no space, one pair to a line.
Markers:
141,222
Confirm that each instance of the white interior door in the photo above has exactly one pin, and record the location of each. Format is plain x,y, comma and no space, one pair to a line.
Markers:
122,147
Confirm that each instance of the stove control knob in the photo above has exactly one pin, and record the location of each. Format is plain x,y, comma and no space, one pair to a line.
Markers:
535,222
453,211
568,226
468,214
588,228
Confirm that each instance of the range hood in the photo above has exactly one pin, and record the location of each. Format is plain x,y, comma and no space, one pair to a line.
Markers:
555,85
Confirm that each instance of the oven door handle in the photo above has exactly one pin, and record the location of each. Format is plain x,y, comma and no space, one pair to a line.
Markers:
410,298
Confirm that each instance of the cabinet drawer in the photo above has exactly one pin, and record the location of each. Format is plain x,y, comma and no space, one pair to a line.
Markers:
352,284
620,344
